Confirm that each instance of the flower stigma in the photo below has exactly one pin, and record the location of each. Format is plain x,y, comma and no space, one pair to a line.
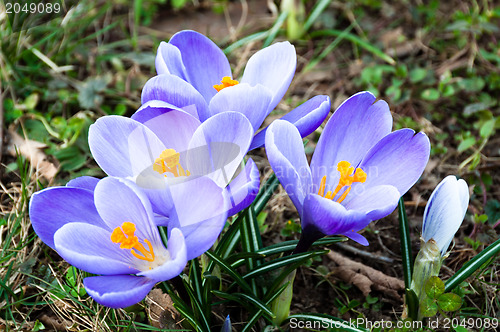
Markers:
225,83
125,236
169,161
348,176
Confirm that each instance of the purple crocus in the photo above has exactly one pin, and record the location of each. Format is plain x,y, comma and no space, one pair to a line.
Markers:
194,72
108,228
358,171
165,150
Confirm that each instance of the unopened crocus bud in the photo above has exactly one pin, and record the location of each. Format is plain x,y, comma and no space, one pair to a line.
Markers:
443,216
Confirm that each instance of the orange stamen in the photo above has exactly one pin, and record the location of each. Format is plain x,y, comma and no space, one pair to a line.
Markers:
348,176
169,161
225,83
125,236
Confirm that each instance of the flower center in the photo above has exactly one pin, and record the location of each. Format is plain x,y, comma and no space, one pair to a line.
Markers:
169,161
226,82
125,236
348,176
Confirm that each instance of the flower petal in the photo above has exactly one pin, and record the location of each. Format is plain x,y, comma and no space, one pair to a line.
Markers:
89,248
169,61
273,67
52,208
252,102
244,188
205,63
119,200
218,146
200,213
123,147
153,108
332,218
306,117
286,155
174,127
83,182
398,160
376,202
175,91
178,259
349,134
445,211
119,291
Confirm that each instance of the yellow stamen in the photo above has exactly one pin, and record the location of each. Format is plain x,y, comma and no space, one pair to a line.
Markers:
169,161
226,82
125,236
348,176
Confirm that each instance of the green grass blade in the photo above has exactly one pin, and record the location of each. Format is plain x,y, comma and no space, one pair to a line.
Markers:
404,235
198,308
236,276
283,261
275,29
356,40
245,300
471,266
243,41
319,7
265,194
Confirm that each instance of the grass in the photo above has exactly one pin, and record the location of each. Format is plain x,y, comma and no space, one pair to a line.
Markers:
437,65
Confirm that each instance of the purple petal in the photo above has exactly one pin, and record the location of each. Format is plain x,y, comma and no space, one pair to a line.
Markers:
196,199
118,291
83,182
169,61
398,160
153,108
178,259
286,155
205,63
123,147
252,102
376,202
273,67
89,248
243,189
200,213
332,218
218,146
119,200
174,127
175,91
306,117
445,211
352,130
52,208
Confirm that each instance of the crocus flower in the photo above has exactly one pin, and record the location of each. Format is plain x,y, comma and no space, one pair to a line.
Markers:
358,172
443,216
193,71
165,150
108,229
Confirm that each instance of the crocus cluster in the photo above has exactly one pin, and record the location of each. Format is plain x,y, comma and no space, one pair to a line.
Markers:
177,163
174,163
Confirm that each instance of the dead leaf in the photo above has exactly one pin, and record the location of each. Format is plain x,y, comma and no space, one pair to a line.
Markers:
161,311
32,150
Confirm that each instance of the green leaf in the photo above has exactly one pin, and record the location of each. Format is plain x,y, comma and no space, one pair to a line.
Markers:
471,266
487,128
236,276
428,307
434,287
449,302
466,143
246,300
430,94
417,74
404,235
265,193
